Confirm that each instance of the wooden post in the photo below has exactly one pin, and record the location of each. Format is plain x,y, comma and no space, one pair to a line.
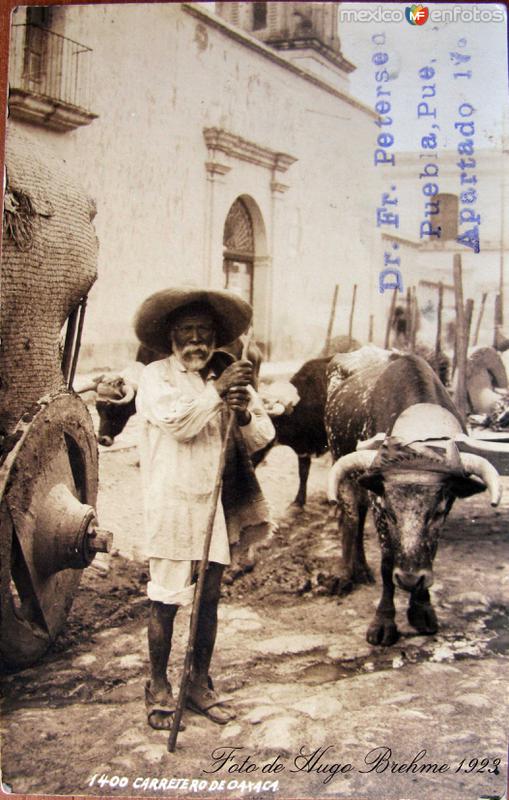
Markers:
70,335
408,317
389,320
461,339
469,313
352,310
438,342
370,331
479,318
498,309
415,319
501,281
331,319
498,318
77,343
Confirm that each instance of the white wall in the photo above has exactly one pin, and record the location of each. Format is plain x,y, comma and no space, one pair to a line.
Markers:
161,76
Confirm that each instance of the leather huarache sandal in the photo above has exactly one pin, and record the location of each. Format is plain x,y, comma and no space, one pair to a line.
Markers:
160,712
206,701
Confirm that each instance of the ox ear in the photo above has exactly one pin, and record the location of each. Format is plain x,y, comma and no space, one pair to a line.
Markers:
372,480
465,487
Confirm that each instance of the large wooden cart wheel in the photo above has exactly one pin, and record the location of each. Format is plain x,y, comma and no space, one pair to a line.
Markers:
48,526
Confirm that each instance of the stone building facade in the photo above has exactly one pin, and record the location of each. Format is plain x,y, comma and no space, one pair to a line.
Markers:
223,149
452,204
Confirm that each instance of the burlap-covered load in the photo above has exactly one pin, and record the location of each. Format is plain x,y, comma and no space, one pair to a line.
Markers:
49,261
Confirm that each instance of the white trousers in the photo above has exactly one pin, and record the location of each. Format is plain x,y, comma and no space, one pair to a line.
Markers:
170,581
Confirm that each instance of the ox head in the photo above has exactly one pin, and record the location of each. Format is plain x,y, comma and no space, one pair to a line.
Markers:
115,404
415,483
279,398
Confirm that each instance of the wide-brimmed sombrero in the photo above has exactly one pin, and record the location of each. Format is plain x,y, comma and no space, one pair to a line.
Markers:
232,314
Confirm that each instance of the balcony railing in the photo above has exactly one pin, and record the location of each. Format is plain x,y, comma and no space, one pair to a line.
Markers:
49,78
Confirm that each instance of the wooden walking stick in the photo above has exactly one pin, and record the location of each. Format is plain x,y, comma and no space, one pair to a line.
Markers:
198,592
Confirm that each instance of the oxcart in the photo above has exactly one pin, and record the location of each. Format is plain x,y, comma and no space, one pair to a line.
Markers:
48,454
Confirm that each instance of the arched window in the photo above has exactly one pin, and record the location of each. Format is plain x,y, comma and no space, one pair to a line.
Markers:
239,251
447,216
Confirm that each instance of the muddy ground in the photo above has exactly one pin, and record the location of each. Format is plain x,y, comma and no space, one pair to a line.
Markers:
294,660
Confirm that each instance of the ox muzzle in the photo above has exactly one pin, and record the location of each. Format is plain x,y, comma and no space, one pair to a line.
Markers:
411,580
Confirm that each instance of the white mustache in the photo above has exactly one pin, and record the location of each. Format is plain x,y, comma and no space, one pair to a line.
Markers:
201,352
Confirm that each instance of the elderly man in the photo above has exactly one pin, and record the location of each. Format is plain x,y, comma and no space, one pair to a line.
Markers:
181,400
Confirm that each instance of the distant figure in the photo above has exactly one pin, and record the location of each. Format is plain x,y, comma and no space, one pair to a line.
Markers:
450,334
400,328
487,388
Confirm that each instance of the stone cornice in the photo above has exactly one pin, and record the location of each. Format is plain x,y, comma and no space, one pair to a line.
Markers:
49,113
215,168
313,43
266,52
279,188
219,140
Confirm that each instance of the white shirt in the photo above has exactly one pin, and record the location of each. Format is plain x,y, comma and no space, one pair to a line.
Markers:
179,453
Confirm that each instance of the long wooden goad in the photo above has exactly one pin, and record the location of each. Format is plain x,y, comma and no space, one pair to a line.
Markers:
172,739
193,627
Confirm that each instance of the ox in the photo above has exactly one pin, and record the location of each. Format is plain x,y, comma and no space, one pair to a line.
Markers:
487,389
116,393
301,425
414,476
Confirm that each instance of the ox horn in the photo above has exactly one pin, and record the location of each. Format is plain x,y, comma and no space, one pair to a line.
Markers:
89,387
477,465
360,460
123,401
374,443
